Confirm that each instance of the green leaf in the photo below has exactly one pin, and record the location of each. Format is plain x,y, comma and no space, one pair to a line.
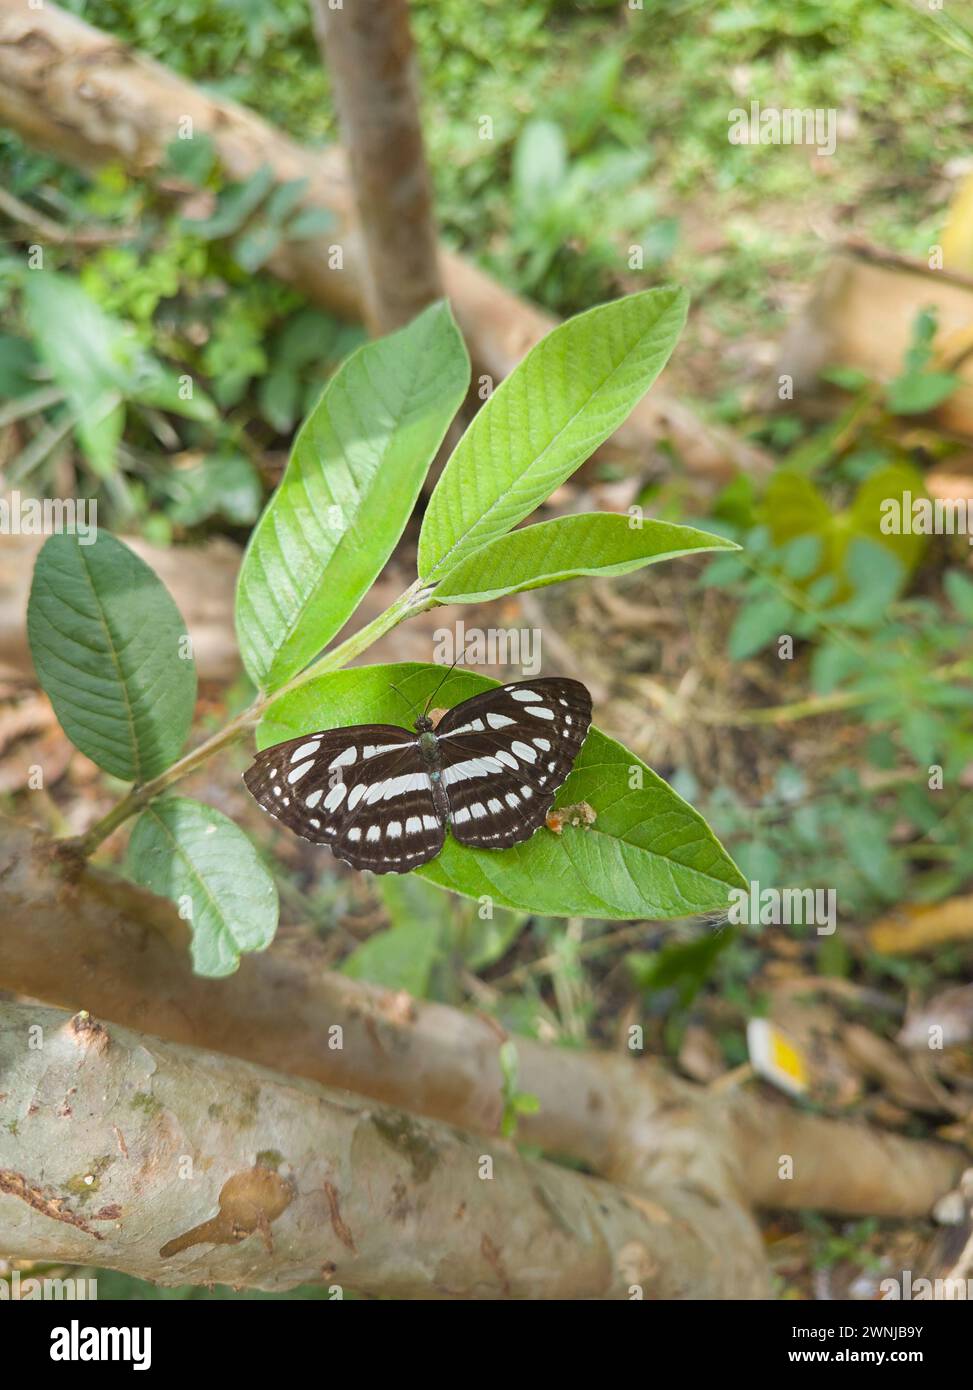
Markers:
915,393
565,398
236,205
648,855
193,159
99,364
959,591
540,162
196,856
354,474
310,222
106,640
254,247
284,200
759,621
400,958
683,966
487,939
221,485
90,357
278,395
876,575
594,543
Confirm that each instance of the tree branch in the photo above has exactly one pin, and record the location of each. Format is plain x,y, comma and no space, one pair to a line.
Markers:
121,1150
369,53
100,943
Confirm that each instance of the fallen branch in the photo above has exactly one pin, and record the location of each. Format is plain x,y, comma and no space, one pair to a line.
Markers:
78,92
102,944
120,1150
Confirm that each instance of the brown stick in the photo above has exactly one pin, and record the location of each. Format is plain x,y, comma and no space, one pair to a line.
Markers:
102,944
80,93
369,53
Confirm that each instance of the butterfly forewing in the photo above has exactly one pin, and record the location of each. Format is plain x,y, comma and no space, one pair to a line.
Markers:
505,753
364,791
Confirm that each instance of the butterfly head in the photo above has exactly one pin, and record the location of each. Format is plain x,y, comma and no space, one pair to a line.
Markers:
423,724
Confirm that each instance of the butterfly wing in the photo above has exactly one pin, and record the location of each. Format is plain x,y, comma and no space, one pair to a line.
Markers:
364,791
505,753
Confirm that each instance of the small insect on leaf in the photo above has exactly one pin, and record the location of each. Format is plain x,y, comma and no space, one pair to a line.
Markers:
580,814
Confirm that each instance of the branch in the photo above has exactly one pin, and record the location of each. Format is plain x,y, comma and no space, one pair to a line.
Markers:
121,1150
100,943
369,53
81,94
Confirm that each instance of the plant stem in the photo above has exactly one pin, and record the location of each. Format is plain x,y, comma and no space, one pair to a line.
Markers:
412,601
817,704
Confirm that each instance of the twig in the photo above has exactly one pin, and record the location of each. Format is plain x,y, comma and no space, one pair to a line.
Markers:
26,216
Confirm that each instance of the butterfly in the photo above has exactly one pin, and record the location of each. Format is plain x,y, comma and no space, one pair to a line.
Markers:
381,797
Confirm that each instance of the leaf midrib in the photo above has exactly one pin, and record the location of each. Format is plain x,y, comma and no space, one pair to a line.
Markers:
129,712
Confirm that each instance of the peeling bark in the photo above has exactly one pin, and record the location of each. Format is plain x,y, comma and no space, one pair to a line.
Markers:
73,90
104,945
182,1166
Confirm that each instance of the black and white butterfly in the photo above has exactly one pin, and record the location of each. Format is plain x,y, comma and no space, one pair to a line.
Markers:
382,796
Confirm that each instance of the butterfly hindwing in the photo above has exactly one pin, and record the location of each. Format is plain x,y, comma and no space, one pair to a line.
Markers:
364,791
505,753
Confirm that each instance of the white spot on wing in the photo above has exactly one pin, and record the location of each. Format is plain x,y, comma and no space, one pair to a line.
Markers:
543,713
475,726
306,750
296,773
524,750
473,767
499,721
334,797
344,759
525,695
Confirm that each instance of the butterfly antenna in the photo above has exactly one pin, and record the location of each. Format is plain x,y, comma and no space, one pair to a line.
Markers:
398,691
445,679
